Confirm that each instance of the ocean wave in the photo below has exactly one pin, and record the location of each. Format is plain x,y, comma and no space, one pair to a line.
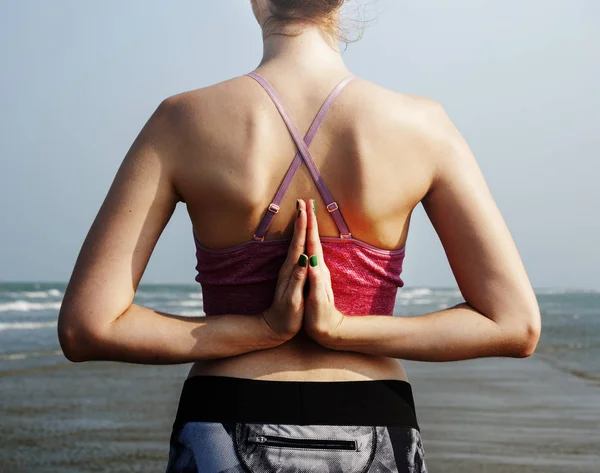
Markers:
549,291
157,296
185,303
4,326
26,306
192,313
422,301
40,294
447,293
408,302
32,294
412,293
32,354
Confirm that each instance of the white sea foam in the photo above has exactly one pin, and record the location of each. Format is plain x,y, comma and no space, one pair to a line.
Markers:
192,313
4,326
422,301
32,294
156,296
413,293
407,302
35,294
32,354
447,293
195,295
563,291
186,303
26,306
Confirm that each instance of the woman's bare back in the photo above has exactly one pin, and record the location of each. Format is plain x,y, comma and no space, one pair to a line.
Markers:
371,152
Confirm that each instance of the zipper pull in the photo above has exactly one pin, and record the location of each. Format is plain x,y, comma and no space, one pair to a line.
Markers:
257,439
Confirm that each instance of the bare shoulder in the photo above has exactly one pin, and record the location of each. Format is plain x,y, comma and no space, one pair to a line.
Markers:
413,129
222,96
401,105
419,117
198,119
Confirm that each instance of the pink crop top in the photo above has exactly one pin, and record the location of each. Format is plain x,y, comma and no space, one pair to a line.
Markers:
241,279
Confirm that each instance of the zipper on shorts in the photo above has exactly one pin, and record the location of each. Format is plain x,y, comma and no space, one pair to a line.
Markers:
273,441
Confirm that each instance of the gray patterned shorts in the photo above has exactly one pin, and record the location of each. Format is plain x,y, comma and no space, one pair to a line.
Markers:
227,425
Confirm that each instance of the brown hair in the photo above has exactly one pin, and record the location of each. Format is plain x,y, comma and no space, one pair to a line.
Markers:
318,12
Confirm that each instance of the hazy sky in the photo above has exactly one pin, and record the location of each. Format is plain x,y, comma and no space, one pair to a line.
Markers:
520,78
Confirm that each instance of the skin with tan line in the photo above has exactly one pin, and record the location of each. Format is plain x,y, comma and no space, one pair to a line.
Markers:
223,150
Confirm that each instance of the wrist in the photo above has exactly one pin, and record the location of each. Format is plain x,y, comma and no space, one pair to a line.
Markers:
332,335
274,338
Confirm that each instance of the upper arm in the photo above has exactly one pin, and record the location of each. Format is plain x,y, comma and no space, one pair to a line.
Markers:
117,248
477,242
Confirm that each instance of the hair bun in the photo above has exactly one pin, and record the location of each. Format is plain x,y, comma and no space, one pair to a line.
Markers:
308,8
319,12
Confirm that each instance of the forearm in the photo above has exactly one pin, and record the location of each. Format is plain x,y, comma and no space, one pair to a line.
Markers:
142,335
457,333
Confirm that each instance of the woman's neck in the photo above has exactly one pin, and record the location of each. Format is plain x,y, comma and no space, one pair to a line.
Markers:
310,51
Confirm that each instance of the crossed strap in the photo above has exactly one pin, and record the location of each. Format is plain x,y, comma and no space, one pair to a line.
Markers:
303,154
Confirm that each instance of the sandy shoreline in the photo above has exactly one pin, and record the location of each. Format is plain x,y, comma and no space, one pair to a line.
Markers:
507,415
491,416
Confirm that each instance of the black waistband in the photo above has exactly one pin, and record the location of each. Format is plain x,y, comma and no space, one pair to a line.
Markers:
228,399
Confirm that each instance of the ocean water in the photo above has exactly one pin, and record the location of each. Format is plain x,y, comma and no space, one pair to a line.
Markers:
28,314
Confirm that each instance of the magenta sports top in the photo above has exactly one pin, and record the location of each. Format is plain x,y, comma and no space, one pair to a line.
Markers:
241,279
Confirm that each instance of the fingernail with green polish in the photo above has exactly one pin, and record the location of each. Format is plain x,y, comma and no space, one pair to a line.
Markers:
313,260
302,261
314,207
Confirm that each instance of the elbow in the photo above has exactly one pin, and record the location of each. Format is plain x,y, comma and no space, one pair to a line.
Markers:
79,343
526,340
72,347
